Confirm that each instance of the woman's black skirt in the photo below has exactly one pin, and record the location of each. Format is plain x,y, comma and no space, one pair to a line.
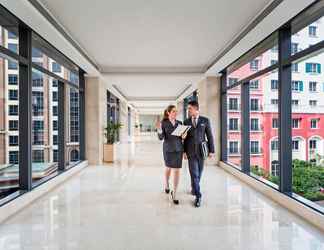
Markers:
173,159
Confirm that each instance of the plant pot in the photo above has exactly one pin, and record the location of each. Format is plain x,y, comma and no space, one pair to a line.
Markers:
108,153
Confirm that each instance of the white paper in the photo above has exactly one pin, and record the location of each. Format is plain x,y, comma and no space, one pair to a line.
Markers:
180,129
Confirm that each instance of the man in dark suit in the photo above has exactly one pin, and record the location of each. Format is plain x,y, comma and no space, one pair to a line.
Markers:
199,132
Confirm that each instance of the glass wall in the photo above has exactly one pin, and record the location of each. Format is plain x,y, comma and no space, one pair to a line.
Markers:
308,120
9,127
39,136
234,125
264,123
73,127
285,111
44,134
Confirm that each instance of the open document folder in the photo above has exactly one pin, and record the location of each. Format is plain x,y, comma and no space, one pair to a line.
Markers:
180,130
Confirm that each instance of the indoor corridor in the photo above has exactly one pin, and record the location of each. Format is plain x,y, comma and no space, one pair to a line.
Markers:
122,206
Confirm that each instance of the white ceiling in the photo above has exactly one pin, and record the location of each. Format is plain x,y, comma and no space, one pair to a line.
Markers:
153,91
143,38
141,35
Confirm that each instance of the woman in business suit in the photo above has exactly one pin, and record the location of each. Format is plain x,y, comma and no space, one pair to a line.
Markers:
172,149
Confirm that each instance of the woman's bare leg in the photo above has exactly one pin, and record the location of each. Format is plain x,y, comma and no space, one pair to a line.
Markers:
167,174
176,178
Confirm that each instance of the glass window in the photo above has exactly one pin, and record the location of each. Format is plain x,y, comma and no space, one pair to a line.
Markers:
46,56
13,125
233,103
275,123
234,136
295,123
13,110
38,103
37,78
275,168
254,84
74,129
274,101
12,79
294,67
297,86
56,68
314,123
264,125
55,96
233,147
36,53
313,68
233,124
313,103
13,140
254,104
43,133
55,110
13,158
232,81
13,94
55,83
12,65
312,86
295,145
55,125
312,31
254,124
295,102
308,142
252,63
274,84
294,48
9,134
275,145
55,139
255,147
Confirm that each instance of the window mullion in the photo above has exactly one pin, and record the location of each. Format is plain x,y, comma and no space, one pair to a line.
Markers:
285,120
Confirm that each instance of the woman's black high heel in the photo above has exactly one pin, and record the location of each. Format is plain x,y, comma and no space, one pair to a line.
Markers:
175,201
167,190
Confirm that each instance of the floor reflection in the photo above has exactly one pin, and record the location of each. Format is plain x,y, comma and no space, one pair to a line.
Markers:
122,206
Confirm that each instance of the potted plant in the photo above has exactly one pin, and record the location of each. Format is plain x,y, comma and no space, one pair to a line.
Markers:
111,132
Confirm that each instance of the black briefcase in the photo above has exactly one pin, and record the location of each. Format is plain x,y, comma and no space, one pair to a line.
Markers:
204,149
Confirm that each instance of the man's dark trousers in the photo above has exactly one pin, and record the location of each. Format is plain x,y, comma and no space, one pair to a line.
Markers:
196,166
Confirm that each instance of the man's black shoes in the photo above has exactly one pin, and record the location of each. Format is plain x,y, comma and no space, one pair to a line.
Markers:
197,202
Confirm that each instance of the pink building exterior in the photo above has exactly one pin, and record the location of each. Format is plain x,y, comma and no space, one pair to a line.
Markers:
308,140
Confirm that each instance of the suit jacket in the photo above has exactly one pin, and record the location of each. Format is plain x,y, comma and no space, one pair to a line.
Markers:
171,143
196,136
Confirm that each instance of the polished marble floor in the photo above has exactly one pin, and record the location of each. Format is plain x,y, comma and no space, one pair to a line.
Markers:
122,207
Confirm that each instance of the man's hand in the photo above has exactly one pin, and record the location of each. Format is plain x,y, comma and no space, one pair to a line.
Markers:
185,156
211,155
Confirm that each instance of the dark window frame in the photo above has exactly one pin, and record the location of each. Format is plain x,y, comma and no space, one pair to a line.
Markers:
285,70
20,59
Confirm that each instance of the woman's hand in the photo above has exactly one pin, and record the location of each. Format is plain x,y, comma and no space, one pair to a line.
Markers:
184,135
158,125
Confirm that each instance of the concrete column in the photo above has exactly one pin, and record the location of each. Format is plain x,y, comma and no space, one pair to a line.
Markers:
180,110
209,100
123,111
95,119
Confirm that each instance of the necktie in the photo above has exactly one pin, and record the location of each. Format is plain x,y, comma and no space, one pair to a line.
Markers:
194,122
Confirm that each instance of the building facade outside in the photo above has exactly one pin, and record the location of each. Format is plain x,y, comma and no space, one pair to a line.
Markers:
44,117
307,107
